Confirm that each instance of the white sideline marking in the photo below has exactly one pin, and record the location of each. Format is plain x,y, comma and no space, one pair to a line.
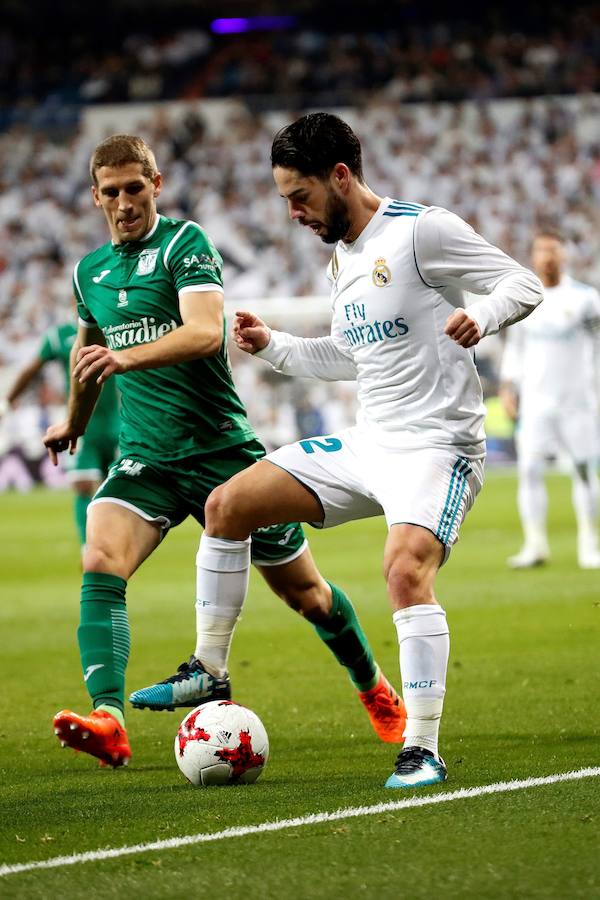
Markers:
499,787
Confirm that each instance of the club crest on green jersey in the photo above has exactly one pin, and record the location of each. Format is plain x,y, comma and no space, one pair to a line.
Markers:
122,298
147,261
381,273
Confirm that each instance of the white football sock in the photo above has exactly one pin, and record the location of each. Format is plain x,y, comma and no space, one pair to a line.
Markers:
222,572
533,504
424,648
535,539
585,502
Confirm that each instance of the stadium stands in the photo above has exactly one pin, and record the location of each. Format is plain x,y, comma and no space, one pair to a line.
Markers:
503,164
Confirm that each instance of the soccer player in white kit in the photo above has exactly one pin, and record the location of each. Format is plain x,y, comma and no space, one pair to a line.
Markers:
416,454
549,378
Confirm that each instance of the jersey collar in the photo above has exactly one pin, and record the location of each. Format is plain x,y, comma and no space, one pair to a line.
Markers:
128,245
356,245
152,230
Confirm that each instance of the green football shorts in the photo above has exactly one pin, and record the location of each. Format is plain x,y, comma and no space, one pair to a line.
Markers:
94,457
167,493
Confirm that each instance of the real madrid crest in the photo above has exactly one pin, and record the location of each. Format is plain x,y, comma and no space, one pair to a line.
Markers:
381,273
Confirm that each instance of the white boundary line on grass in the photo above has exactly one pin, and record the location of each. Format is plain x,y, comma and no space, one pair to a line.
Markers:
499,787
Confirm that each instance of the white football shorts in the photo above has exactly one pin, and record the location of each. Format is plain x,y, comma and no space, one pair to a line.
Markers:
547,433
354,478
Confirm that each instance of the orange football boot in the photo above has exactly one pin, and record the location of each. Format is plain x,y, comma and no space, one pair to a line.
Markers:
386,711
98,734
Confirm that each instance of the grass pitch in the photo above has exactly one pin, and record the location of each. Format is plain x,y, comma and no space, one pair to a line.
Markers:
522,701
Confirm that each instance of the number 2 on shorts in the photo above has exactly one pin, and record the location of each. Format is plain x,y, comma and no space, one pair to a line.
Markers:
329,445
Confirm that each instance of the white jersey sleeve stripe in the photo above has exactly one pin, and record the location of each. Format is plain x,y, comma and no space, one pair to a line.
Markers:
172,242
200,288
76,281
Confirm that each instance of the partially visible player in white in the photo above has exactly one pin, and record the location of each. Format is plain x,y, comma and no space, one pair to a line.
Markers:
550,382
398,276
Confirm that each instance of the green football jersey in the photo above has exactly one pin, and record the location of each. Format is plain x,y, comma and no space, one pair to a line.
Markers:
56,345
131,292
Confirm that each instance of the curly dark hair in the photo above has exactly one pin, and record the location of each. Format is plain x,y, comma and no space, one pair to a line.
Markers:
315,143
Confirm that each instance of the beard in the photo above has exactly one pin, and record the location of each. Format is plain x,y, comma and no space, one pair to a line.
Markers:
337,221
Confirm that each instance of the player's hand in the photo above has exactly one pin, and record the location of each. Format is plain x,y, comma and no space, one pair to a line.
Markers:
460,327
59,438
250,333
99,363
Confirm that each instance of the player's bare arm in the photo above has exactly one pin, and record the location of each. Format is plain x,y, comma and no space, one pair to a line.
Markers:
460,327
82,400
200,335
22,381
509,399
250,333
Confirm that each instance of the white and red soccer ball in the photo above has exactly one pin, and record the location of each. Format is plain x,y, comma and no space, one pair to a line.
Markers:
221,742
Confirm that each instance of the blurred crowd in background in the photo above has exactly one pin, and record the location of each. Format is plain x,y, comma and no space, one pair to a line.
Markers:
410,60
505,165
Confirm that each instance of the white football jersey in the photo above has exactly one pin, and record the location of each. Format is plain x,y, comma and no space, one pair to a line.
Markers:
550,357
392,290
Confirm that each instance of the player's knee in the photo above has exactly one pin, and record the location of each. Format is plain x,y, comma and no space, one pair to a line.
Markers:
103,559
215,511
408,580
224,515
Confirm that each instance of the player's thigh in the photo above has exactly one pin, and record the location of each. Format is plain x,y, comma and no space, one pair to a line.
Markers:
579,434
330,468
118,540
431,488
272,545
537,438
235,484
263,495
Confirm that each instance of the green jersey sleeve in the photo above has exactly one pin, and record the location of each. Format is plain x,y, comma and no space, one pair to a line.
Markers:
50,346
82,310
193,260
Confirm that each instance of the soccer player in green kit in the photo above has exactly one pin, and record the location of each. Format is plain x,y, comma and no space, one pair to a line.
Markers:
150,305
98,448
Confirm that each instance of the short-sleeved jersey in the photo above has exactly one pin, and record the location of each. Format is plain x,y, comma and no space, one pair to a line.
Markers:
131,292
550,357
57,344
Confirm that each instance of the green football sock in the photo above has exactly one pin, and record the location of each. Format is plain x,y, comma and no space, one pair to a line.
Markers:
80,505
114,711
103,636
347,641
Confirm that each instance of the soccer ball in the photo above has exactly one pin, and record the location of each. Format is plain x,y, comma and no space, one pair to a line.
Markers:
221,743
